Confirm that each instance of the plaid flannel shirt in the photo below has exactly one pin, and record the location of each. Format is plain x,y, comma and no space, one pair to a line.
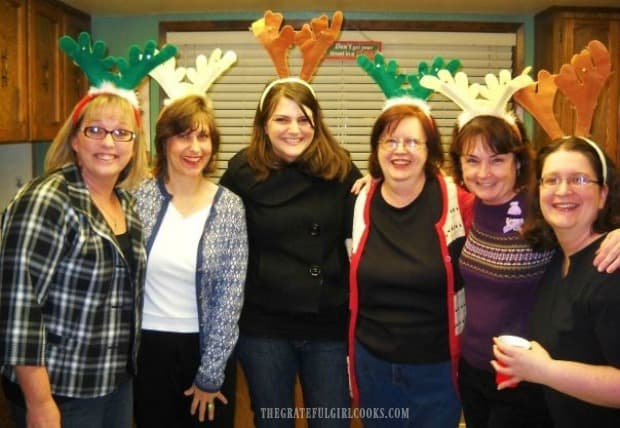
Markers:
69,300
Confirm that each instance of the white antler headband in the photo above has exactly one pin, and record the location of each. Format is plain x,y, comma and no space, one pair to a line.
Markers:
475,99
181,82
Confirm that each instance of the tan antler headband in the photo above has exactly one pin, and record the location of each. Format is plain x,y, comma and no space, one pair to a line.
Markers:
581,82
314,40
475,100
179,82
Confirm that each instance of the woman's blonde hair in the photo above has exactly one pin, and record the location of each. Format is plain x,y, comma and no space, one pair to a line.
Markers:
61,152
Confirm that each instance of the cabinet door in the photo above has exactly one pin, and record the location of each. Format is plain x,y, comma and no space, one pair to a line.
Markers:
74,82
45,28
571,32
579,31
13,71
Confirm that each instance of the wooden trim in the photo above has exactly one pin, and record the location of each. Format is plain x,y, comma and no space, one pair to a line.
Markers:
369,25
355,24
576,11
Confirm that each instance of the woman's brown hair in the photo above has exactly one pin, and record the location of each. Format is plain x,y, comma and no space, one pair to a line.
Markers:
324,157
388,121
185,115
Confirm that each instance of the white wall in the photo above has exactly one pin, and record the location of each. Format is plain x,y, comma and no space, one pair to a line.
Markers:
15,169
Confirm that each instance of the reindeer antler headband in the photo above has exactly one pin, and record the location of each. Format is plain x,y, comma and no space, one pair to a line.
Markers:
314,40
404,88
581,82
181,82
108,74
475,99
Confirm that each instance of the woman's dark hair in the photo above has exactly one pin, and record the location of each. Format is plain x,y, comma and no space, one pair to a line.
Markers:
389,120
536,230
187,114
502,138
324,157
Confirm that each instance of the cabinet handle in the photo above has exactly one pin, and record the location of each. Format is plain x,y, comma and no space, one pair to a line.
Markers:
46,75
4,57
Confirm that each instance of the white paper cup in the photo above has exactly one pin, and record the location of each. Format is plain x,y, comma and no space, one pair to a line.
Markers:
517,341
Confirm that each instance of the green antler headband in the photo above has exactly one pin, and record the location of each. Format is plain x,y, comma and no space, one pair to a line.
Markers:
402,88
391,82
108,74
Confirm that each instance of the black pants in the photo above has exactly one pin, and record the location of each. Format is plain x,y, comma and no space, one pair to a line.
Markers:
486,407
167,365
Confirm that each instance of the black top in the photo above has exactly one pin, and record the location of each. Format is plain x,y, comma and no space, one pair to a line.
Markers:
577,318
297,282
402,281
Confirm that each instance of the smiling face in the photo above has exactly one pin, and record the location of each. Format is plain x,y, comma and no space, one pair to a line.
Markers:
490,176
403,164
289,129
188,153
102,161
568,208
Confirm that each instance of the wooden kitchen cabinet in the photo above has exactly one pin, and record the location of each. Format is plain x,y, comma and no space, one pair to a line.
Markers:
13,71
560,32
44,70
38,84
74,81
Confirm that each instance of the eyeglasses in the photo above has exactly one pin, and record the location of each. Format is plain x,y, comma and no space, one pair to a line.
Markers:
573,181
411,144
118,135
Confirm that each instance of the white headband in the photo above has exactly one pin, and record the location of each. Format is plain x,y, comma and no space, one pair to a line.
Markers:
407,100
284,80
600,154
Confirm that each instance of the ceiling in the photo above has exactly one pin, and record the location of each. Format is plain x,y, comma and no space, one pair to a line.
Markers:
153,7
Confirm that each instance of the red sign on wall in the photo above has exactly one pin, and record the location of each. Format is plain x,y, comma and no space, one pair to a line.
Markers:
349,50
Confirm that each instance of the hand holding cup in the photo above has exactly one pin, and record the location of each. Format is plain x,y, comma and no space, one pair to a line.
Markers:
515,341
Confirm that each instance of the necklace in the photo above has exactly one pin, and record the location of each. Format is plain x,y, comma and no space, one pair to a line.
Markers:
111,218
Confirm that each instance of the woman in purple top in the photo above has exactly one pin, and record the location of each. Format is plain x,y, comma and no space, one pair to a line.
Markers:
493,159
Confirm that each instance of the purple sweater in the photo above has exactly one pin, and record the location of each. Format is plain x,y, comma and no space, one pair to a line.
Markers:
501,273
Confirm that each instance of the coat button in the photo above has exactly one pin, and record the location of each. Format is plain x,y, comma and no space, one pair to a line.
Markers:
315,270
315,229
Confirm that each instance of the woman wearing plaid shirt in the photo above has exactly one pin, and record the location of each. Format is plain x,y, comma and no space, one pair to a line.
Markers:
72,265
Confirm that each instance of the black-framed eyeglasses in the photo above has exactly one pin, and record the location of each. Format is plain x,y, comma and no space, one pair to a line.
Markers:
411,144
99,133
573,181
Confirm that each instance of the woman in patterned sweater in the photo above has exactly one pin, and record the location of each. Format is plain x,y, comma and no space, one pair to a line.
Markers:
501,272
197,255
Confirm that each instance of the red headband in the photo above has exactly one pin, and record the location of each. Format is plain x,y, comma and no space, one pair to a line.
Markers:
77,111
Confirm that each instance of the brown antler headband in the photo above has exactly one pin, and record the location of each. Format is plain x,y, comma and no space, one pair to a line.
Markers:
314,40
581,82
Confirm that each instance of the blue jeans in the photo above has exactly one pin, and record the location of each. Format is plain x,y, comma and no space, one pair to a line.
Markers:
405,395
113,410
271,365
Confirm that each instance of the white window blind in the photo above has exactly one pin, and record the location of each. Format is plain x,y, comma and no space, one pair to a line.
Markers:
348,96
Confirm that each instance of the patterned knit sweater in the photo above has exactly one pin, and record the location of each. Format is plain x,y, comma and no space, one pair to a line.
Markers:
220,273
501,274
